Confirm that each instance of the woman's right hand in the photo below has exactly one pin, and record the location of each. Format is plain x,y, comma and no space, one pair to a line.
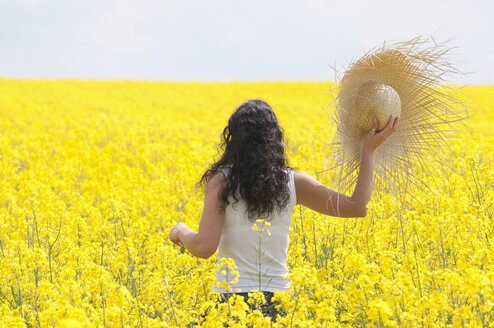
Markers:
175,233
374,139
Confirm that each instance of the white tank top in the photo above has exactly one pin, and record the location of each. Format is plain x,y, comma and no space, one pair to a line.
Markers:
260,256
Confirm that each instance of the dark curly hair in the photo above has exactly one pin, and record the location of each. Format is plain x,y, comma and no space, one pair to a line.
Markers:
253,148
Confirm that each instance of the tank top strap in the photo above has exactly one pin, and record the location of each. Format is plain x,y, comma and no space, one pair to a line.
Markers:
225,171
291,185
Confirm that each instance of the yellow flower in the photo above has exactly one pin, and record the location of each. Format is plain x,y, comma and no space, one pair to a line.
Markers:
94,172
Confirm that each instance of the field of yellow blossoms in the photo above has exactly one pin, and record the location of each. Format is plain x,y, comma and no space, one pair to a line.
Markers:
93,174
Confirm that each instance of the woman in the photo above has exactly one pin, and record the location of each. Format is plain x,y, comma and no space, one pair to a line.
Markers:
252,181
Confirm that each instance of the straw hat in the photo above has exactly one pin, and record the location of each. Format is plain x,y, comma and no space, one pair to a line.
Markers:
406,79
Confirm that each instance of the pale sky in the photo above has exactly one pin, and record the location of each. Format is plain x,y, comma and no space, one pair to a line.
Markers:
226,40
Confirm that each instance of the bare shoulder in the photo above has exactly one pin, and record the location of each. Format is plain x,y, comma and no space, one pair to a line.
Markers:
216,181
214,188
297,175
302,179
305,186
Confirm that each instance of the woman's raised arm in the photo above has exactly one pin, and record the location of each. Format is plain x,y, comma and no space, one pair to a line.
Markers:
314,195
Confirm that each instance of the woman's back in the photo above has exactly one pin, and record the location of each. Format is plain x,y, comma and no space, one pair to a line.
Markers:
252,145
259,254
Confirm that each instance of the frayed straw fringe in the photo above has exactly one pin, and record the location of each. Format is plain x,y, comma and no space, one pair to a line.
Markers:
417,70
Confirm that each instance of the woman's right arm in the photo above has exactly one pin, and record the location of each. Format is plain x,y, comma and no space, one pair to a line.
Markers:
314,195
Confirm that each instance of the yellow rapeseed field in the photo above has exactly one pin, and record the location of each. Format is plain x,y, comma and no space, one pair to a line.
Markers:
93,175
